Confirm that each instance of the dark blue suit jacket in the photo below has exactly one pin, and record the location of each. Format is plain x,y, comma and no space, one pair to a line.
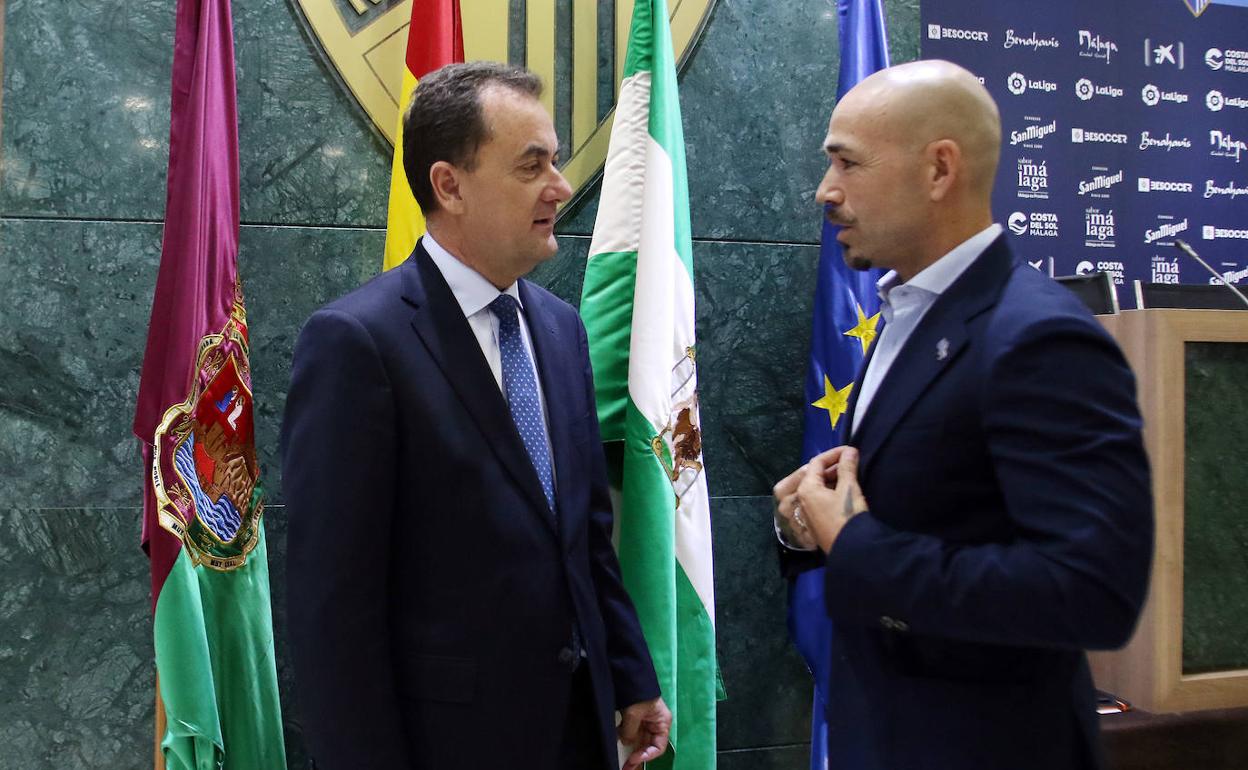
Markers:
432,592
1010,528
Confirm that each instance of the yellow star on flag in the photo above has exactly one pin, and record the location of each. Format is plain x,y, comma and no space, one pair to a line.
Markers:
865,330
834,401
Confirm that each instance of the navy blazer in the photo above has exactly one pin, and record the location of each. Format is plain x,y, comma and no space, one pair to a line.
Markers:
432,592
1010,528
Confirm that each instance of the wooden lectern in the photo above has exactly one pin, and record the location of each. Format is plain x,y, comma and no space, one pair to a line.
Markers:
1190,650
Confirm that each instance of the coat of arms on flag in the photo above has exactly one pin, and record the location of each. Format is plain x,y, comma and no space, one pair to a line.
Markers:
204,470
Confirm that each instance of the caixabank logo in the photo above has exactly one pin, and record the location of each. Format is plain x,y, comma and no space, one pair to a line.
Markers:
1163,53
364,43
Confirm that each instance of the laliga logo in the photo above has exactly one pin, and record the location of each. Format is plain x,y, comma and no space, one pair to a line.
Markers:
1016,83
1084,267
1084,89
1151,95
1213,100
1213,57
1018,223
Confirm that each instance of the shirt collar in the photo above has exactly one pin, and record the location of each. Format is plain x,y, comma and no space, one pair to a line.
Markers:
472,290
940,275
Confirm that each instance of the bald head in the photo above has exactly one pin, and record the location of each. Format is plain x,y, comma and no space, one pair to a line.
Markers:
912,154
921,102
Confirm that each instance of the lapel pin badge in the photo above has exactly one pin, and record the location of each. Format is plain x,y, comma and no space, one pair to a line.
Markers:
942,349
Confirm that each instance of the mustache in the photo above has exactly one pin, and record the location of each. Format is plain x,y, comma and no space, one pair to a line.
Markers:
837,217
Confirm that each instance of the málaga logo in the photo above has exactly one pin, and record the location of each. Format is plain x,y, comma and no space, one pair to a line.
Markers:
579,54
204,469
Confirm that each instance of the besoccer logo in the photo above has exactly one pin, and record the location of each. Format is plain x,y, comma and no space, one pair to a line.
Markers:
1084,89
1151,95
1016,83
1214,101
1213,57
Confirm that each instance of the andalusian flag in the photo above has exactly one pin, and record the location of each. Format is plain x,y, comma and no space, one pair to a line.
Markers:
638,310
435,38
217,704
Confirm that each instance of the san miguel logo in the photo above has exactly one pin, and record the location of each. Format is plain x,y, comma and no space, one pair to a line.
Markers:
577,51
204,468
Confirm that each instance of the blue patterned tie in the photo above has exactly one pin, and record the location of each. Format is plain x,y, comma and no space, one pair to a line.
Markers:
521,388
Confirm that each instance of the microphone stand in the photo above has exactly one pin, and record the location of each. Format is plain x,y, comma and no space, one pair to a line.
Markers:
1182,246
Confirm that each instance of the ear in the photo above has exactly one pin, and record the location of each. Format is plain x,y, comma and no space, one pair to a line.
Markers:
445,181
944,158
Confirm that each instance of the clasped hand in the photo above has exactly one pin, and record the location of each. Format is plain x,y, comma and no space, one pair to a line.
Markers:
815,501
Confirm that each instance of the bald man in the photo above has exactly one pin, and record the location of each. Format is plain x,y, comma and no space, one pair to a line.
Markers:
989,517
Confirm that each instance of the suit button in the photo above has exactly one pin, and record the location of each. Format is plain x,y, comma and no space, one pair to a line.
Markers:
568,658
893,625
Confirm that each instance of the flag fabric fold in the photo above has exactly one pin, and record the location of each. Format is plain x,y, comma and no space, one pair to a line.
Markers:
846,320
435,38
217,695
638,307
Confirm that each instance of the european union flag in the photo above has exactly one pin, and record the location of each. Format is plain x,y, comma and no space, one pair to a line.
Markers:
845,322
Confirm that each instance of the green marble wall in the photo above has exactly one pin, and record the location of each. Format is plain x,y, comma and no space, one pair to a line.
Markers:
1215,530
83,149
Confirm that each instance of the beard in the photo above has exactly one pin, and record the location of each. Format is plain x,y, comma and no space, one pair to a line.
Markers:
858,263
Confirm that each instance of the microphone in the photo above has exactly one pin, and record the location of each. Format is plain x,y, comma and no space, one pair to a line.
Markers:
1182,246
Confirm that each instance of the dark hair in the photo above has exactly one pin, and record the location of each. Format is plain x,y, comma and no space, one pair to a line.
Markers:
445,119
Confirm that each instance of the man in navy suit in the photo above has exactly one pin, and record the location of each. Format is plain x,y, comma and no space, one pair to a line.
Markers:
454,599
990,517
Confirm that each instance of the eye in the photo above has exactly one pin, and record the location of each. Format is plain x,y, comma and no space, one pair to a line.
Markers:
847,163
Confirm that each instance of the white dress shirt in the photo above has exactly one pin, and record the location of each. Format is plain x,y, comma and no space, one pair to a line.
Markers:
903,305
474,293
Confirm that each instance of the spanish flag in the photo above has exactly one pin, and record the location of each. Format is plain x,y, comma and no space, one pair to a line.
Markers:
435,38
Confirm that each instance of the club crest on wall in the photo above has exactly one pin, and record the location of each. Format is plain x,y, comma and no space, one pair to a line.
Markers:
576,46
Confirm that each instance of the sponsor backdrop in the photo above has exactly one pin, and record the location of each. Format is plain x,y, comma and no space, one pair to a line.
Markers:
1124,126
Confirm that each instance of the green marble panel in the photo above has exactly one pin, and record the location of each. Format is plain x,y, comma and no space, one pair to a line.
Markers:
76,668
768,758
1215,532
86,118
769,688
756,97
75,299
86,108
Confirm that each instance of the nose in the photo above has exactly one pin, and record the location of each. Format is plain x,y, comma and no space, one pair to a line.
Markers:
558,190
829,192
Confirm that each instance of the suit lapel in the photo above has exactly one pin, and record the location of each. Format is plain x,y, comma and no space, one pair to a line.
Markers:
553,370
935,345
439,321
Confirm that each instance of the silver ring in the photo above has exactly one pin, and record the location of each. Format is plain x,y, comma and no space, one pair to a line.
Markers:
797,515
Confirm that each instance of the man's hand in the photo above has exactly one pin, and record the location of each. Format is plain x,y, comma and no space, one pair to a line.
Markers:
644,727
821,496
789,519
